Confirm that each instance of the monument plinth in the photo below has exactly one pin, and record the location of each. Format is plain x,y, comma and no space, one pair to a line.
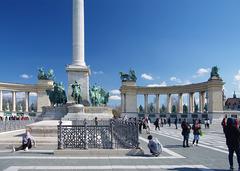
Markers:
78,71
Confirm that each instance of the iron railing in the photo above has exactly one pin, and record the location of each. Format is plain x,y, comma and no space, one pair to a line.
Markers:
10,125
104,135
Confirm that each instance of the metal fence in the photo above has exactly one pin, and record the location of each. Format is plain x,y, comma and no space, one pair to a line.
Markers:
104,135
10,125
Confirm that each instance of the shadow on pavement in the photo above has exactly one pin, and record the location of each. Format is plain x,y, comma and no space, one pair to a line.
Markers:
192,169
173,146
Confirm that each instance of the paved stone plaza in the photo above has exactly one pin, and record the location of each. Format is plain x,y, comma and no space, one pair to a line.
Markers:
211,154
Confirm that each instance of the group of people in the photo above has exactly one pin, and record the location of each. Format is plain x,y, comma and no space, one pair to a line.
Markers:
186,129
10,118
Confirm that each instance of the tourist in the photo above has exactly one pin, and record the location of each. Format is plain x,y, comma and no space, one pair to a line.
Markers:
161,122
232,134
154,146
208,123
169,122
140,125
96,121
156,123
224,123
27,141
196,132
185,132
147,124
205,123
175,122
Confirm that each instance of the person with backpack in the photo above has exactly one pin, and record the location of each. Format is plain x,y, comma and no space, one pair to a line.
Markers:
154,146
185,132
232,134
196,132
224,123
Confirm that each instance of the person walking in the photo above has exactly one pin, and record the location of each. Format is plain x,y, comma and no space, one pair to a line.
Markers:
169,122
232,134
175,122
185,132
156,123
27,140
224,123
196,132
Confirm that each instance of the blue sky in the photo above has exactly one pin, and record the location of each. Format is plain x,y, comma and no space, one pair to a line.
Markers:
167,42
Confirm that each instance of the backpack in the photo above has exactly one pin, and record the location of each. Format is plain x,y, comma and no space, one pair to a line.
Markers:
159,145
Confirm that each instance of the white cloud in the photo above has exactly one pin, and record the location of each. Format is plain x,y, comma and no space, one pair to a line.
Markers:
98,72
114,97
25,76
162,84
237,76
202,72
187,82
115,92
175,79
146,76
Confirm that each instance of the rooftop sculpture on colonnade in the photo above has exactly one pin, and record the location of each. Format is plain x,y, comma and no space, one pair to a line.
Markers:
42,75
131,76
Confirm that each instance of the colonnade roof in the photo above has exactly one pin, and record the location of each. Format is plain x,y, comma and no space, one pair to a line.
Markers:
22,87
176,89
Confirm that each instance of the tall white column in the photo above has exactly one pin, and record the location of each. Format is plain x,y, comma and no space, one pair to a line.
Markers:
1,100
169,103
146,103
78,33
14,101
201,101
180,105
26,101
157,103
191,108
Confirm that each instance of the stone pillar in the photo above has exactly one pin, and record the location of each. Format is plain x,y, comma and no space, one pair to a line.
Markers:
180,105
146,103
191,108
1,100
201,101
14,101
26,101
131,102
169,103
123,102
215,96
42,97
157,103
78,33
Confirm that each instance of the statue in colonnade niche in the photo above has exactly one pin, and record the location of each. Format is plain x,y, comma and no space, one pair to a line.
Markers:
20,108
76,92
131,76
98,96
7,107
57,96
42,75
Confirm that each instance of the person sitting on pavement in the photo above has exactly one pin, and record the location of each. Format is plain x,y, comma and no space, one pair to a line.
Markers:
27,140
154,146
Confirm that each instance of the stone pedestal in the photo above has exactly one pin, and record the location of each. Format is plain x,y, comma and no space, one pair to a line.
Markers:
42,97
81,75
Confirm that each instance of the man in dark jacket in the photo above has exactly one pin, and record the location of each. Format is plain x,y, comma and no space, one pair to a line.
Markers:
232,134
185,132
